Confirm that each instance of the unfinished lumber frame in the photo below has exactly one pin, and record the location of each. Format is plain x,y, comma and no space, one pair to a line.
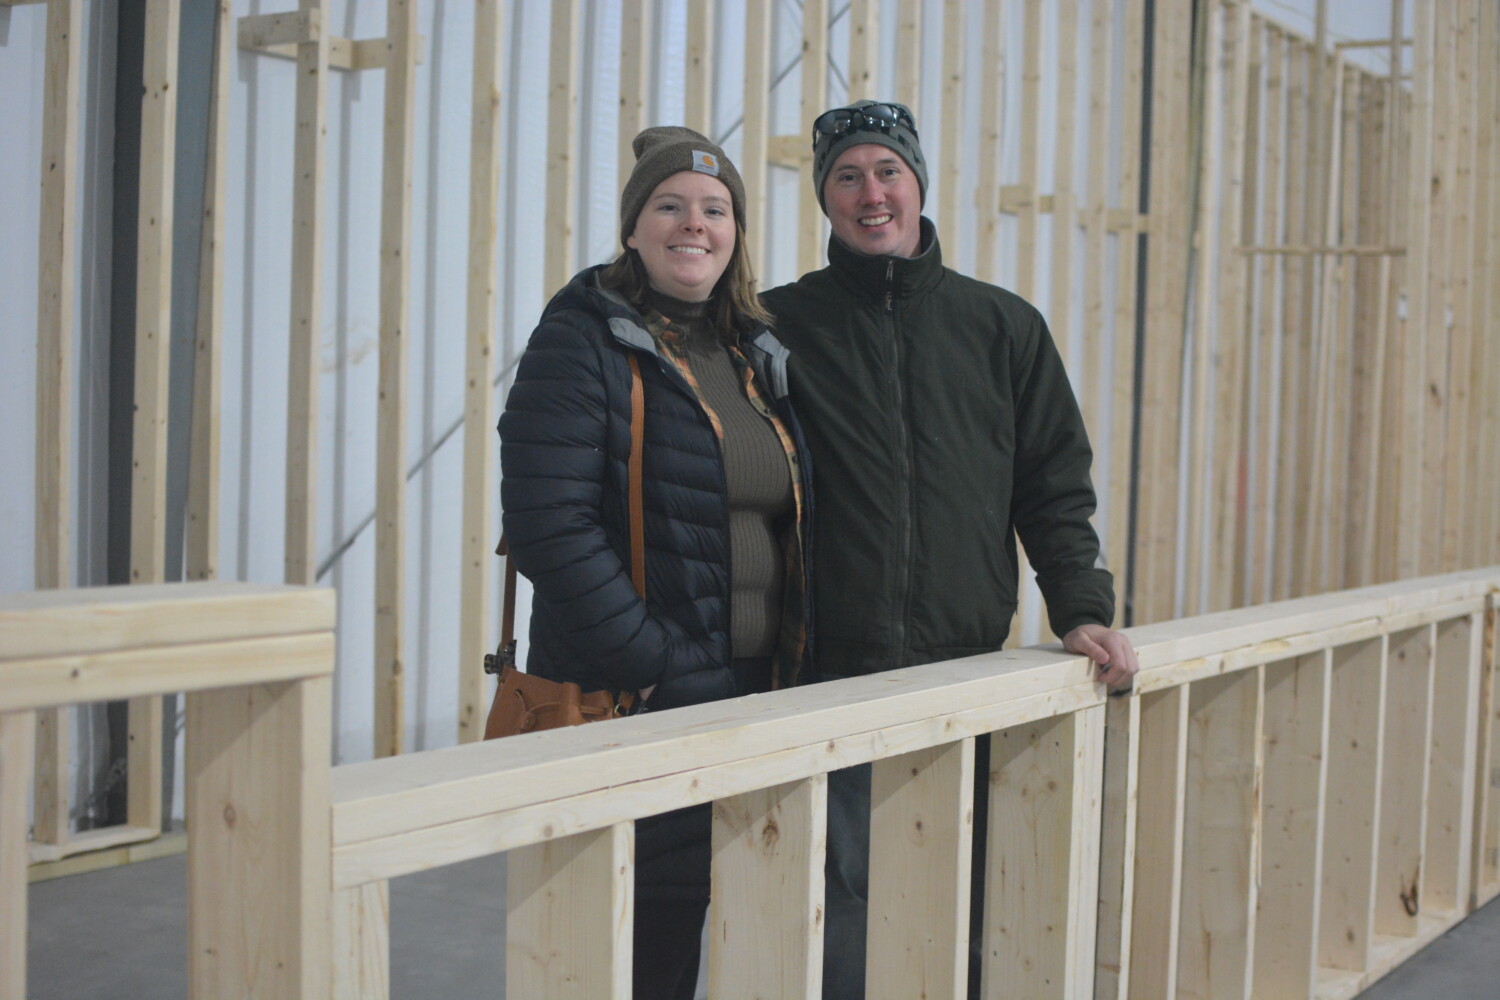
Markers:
699,89
256,662
390,459
54,387
766,904
814,74
476,580
562,147
755,132
1168,237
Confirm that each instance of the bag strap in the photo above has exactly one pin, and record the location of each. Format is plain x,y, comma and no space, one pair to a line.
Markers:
637,506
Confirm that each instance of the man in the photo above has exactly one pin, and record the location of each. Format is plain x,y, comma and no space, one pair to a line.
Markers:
941,426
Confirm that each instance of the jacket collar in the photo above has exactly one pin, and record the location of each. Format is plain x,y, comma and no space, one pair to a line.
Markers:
908,275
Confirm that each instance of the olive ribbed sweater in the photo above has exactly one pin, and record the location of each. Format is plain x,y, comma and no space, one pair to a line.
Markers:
757,478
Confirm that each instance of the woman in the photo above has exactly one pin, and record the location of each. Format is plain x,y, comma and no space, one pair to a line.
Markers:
724,494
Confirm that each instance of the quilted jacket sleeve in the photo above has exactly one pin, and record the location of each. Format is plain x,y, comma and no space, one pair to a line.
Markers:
555,456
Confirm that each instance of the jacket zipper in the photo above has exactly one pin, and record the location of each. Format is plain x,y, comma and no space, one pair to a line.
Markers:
904,491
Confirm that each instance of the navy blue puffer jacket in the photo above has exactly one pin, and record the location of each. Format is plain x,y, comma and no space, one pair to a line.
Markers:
565,443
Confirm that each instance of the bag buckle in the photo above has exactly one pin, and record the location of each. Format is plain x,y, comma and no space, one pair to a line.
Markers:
501,658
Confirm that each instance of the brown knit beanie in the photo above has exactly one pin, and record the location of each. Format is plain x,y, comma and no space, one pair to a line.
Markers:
666,150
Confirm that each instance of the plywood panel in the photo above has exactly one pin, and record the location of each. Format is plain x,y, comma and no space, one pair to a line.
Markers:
766,910
571,906
921,832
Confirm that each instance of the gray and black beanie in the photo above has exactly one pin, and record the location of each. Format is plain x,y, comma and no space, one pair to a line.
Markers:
880,122
665,150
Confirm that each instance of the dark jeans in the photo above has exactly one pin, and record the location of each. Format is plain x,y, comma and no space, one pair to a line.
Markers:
668,947
847,875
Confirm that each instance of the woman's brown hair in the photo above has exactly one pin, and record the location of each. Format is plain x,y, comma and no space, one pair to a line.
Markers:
733,307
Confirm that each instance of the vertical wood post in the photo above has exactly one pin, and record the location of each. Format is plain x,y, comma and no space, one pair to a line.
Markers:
562,126
258,762
814,94
1042,858
1169,231
1450,797
864,49
950,140
921,835
202,548
17,742
153,332
390,451
1292,820
477,577
987,151
54,384
1117,846
571,909
766,909
756,129
1221,842
361,932
699,97
1356,697
909,54
1403,795
303,364
635,81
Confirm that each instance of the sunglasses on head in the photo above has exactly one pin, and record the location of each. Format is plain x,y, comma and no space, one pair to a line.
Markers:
881,117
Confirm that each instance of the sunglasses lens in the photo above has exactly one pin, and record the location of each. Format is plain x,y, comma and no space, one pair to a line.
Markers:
841,121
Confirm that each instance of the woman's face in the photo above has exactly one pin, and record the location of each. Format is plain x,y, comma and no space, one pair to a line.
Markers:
685,235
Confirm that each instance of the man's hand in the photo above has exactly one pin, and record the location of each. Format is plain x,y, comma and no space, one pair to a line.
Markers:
1106,647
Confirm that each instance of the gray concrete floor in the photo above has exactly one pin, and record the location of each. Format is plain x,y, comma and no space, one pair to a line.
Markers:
122,934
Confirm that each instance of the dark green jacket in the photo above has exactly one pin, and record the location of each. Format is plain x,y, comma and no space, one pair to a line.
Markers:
941,424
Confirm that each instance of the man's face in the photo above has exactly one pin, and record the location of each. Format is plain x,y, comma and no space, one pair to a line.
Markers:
874,202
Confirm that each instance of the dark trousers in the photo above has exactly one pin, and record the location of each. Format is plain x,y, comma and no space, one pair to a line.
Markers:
668,948
847,877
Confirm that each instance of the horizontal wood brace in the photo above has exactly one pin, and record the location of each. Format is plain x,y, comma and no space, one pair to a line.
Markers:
1314,250
788,151
92,840
1116,220
280,34
1015,197
259,32
18,3
1369,43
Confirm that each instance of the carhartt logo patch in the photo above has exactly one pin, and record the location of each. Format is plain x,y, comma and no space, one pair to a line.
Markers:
705,163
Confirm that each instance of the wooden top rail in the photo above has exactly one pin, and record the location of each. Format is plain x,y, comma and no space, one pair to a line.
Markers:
420,811
397,816
63,647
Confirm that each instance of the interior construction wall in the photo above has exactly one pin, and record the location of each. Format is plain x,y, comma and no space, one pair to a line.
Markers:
1060,134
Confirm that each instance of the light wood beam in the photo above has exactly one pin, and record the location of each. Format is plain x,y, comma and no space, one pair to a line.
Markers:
476,580
390,424
766,908
570,910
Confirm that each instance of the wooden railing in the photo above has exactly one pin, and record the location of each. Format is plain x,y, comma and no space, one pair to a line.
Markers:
1294,799
256,663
